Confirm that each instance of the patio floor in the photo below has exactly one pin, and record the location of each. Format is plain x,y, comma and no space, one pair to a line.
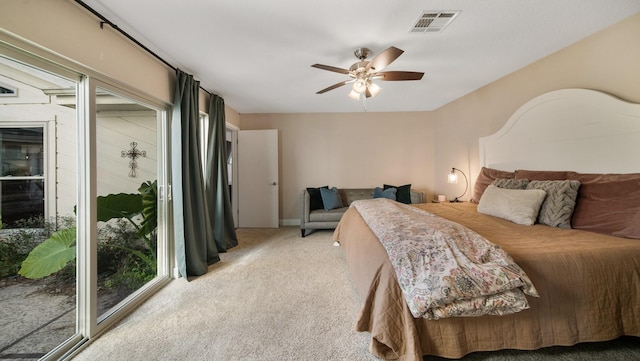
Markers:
34,321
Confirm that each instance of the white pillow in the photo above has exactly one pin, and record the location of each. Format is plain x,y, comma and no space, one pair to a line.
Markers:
519,206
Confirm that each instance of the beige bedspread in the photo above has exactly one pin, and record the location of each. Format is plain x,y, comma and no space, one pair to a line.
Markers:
445,269
589,286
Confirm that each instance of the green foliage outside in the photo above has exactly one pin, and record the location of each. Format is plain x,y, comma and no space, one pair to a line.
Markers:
126,244
15,244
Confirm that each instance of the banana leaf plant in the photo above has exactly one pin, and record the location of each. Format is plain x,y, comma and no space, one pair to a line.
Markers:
54,253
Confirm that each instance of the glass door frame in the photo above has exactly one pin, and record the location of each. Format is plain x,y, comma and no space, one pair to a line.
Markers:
87,271
88,326
16,53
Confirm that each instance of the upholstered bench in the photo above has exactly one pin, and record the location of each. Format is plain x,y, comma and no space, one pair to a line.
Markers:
313,217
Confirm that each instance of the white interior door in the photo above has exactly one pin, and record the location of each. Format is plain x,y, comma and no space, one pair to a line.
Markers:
232,169
258,178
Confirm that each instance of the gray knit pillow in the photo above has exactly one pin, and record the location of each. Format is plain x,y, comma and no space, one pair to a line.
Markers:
557,208
509,183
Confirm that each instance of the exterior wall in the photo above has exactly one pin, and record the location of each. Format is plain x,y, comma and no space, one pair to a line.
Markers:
66,163
115,132
33,106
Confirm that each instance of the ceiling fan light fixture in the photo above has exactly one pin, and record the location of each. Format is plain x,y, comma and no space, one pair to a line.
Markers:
354,95
359,86
374,89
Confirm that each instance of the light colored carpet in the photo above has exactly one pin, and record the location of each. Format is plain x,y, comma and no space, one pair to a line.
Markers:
277,296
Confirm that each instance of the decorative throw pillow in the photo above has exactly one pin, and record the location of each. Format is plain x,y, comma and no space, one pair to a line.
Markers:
557,208
608,204
389,193
519,206
486,176
315,198
403,193
331,198
511,183
541,175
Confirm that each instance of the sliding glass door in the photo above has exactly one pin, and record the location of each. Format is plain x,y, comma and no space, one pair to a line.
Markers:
38,193
82,204
127,173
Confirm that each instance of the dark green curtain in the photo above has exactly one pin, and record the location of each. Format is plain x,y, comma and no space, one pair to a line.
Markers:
216,178
195,246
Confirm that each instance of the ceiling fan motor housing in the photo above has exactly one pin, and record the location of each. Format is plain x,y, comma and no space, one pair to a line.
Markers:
362,53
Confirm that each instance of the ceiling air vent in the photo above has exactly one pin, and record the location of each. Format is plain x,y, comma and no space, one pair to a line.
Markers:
434,21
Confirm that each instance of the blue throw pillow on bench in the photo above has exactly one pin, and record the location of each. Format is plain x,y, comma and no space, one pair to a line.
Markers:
389,193
403,195
331,198
315,198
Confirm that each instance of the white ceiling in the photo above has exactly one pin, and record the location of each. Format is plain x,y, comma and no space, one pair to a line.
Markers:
257,55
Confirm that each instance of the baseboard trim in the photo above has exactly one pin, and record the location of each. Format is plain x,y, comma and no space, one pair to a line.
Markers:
290,222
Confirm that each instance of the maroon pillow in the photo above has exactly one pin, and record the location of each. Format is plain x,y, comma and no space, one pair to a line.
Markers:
486,177
608,203
541,175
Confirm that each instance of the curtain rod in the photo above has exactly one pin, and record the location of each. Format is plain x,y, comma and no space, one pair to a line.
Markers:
104,20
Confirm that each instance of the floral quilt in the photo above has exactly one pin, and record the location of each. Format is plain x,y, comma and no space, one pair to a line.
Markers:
445,269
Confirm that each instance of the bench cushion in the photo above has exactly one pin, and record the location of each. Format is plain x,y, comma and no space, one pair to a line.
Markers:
320,215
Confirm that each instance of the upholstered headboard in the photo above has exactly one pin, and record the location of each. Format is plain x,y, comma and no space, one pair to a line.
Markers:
573,135
571,129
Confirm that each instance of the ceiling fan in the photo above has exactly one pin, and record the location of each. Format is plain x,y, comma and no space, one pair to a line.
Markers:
363,72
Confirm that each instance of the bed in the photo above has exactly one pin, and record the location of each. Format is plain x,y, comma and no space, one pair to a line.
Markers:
587,277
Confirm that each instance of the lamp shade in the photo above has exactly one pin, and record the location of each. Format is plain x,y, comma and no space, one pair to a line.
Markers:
452,177
374,89
359,86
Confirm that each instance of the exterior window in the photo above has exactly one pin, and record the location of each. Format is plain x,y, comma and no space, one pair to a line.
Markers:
8,90
22,179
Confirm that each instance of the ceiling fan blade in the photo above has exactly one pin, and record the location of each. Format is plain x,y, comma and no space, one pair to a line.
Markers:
334,86
385,58
398,75
331,68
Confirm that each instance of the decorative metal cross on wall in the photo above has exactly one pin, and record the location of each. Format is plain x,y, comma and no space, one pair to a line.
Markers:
133,153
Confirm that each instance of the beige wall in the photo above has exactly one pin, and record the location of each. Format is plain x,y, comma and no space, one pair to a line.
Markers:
65,29
608,61
344,150
231,116
348,150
